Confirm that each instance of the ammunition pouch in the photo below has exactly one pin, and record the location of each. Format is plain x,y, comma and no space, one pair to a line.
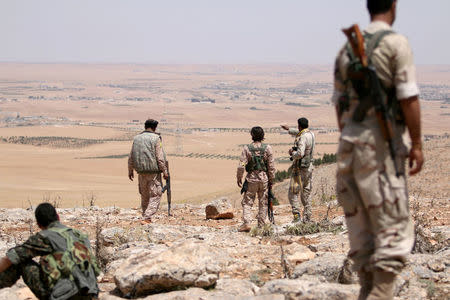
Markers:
64,289
257,162
305,162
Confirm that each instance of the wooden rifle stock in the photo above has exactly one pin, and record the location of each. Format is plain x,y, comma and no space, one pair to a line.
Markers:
356,40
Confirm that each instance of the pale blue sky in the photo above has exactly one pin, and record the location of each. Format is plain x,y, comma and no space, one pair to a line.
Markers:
205,31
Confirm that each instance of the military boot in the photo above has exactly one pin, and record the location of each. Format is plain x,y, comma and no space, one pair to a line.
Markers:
296,218
383,286
244,228
366,282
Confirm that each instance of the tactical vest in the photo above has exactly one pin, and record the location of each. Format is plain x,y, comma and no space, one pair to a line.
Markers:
360,84
256,163
72,268
144,152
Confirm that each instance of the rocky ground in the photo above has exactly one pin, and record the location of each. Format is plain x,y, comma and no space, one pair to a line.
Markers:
172,259
186,256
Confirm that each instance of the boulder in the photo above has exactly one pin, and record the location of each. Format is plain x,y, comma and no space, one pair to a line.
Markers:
237,287
329,265
192,263
295,254
8,294
219,209
308,290
199,294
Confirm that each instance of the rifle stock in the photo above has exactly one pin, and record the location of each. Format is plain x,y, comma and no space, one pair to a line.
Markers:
356,40
168,188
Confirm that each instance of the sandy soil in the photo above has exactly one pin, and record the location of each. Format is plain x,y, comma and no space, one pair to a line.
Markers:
99,102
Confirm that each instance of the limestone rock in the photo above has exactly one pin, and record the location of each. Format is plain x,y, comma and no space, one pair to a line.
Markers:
200,294
295,254
328,265
237,287
329,242
308,290
192,263
219,209
8,294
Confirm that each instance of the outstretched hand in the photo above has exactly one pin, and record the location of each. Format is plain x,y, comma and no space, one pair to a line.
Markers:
285,127
415,161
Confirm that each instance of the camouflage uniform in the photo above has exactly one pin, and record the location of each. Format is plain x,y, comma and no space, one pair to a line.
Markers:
305,142
23,265
257,184
147,157
374,199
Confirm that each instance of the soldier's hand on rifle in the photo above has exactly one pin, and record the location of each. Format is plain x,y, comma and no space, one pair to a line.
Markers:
166,176
290,151
415,155
131,175
285,127
239,182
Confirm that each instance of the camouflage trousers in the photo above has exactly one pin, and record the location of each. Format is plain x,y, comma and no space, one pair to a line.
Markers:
255,188
304,194
375,203
34,278
150,188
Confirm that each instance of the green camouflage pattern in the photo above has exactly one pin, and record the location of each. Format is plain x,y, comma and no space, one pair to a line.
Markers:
41,277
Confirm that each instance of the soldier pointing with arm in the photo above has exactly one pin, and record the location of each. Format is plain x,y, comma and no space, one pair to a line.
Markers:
376,98
302,169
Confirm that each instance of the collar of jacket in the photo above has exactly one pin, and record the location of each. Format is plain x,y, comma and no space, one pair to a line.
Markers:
303,131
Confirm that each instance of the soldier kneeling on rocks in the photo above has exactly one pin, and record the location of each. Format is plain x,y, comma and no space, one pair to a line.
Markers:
257,159
67,268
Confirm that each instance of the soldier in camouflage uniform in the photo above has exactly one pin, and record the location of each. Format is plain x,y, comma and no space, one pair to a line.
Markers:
44,280
302,169
147,157
374,198
257,159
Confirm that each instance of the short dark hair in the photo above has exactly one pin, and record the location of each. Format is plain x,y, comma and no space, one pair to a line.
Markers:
303,122
45,214
257,134
379,6
150,123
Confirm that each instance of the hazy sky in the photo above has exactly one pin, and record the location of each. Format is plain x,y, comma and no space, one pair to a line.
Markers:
205,31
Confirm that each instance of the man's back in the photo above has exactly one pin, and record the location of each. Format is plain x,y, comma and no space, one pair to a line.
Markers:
144,152
393,62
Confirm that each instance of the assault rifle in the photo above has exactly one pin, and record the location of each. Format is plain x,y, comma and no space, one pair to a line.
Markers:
374,96
169,190
270,199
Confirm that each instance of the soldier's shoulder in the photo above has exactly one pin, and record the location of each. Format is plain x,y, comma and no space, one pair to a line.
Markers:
394,41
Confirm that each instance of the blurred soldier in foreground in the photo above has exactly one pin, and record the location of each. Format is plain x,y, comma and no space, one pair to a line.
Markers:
67,268
376,96
257,160
302,168
147,157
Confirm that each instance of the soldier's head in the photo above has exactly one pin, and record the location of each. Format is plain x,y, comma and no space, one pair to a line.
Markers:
152,124
257,134
45,214
302,123
382,8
